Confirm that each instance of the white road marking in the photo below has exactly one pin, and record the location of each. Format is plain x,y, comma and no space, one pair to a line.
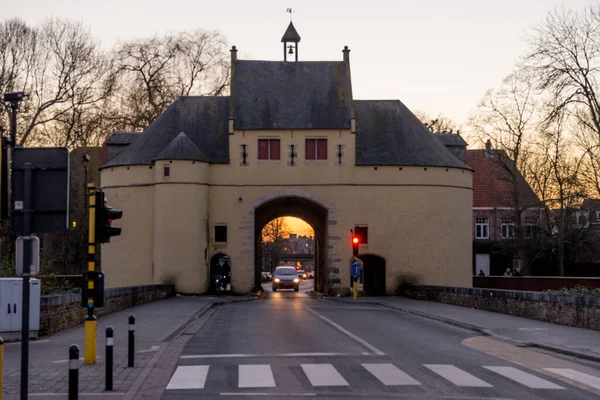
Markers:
194,356
267,394
390,375
255,376
30,342
323,375
189,377
80,359
577,376
524,378
347,333
151,349
457,376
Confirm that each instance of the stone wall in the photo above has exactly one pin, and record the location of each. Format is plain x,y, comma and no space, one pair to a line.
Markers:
60,312
579,311
533,283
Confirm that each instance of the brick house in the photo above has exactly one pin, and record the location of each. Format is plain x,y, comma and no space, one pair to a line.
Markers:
493,206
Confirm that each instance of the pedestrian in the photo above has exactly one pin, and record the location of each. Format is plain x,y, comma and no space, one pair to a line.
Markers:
507,273
518,272
481,273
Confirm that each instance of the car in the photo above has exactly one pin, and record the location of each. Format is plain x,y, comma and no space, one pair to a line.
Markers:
302,275
265,276
311,275
285,278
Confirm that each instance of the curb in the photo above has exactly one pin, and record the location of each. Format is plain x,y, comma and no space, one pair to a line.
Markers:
483,331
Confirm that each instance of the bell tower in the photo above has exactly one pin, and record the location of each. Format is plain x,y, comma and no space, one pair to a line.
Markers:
290,36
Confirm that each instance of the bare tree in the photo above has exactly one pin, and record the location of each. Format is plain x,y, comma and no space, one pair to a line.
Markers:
554,174
60,67
439,124
507,119
564,61
273,235
152,73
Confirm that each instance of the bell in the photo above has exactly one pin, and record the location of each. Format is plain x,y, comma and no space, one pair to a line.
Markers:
291,51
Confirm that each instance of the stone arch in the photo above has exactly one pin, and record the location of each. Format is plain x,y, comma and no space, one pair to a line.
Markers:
313,209
374,274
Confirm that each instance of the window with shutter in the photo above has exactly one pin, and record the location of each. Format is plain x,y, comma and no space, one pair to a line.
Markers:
268,149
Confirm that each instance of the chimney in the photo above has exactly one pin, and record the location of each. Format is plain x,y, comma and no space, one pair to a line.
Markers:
488,145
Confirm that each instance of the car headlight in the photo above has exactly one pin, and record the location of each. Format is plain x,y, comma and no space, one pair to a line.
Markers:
277,280
296,280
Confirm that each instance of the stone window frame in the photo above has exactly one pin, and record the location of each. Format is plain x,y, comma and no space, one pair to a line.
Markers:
166,170
484,224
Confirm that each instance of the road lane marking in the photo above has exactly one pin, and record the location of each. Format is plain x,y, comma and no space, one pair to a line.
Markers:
390,375
323,375
267,394
524,378
255,376
577,376
189,377
347,333
266,355
30,342
457,376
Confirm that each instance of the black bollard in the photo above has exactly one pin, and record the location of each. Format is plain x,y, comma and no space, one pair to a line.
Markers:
131,341
110,342
73,372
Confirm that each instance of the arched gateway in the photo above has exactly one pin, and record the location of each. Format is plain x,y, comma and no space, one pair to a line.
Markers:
289,139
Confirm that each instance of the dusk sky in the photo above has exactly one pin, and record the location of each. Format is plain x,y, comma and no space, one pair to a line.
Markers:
436,56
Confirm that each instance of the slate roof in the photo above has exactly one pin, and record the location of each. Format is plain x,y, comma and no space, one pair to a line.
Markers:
291,95
122,138
204,121
450,139
387,133
492,186
182,148
291,34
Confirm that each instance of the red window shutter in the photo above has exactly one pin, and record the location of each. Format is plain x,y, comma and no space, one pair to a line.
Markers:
274,152
311,149
322,149
263,149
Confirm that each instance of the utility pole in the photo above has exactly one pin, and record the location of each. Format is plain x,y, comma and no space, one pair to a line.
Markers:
14,99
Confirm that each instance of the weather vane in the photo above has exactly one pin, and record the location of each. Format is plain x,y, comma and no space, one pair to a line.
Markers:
290,11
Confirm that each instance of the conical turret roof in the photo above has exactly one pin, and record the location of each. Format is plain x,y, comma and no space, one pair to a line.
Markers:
290,35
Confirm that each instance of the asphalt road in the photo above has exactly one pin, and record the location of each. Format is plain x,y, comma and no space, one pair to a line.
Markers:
291,345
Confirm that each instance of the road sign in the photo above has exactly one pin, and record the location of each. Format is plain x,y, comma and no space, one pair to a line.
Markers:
35,255
49,189
355,269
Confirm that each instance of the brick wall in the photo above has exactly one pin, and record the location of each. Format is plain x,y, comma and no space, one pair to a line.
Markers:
60,312
579,311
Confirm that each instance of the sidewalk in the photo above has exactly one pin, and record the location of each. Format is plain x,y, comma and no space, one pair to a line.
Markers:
578,342
157,324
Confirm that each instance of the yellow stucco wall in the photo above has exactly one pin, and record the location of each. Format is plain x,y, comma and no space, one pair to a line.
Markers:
419,218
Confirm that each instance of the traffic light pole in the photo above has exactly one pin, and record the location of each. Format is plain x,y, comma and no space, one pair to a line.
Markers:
90,319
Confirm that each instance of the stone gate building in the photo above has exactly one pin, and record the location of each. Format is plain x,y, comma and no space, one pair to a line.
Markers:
206,176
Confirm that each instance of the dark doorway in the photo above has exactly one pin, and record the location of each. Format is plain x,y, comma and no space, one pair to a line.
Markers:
220,262
292,206
374,274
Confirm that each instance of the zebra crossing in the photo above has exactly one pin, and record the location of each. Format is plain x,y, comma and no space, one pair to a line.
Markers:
325,375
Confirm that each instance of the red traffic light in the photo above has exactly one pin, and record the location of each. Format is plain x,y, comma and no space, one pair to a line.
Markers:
355,239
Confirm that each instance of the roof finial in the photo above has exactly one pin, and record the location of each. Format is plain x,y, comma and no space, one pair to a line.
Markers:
290,11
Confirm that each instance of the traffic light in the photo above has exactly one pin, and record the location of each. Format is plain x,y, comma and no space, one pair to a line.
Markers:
355,243
104,218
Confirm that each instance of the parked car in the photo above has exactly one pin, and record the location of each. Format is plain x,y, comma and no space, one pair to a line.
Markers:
265,276
286,278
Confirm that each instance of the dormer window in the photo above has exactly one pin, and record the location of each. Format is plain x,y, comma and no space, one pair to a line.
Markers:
316,149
